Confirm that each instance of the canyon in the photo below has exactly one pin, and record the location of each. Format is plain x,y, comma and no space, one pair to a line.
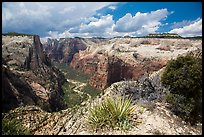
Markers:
33,87
116,59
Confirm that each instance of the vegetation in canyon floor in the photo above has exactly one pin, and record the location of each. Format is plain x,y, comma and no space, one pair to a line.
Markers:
71,97
93,92
71,73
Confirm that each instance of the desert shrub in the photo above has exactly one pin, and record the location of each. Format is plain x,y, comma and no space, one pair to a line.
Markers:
181,105
111,113
13,127
135,55
183,76
157,132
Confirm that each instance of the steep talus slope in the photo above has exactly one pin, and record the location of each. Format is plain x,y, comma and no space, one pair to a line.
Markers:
29,75
15,90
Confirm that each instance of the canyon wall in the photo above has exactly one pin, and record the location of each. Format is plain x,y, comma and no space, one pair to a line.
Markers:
116,59
106,70
28,76
64,49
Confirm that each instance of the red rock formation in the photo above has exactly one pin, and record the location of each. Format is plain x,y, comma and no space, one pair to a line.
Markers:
109,69
87,64
100,78
64,49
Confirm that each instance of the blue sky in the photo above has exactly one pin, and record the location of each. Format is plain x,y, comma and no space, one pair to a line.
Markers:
104,19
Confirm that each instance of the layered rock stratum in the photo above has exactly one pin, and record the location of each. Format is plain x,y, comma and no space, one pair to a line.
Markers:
28,77
120,66
116,59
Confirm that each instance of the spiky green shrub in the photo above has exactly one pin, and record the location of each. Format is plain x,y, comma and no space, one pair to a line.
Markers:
184,78
13,127
111,113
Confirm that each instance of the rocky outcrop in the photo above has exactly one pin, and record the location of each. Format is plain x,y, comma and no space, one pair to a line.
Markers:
144,90
36,58
29,76
89,63
64,49
107,69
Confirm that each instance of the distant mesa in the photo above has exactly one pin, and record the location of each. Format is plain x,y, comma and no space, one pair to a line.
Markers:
16,34
163,35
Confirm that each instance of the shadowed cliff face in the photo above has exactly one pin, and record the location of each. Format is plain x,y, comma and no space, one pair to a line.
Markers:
28,76
64,49
15,90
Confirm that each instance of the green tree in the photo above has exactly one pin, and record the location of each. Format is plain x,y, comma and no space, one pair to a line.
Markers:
183,76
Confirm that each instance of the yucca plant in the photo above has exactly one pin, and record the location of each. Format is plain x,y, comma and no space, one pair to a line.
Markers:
97,117
111,113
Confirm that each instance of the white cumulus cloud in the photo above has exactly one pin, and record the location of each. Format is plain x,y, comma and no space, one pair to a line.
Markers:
181,24
105,26
95,27
141,23
42,17
194,29
98,26
112,7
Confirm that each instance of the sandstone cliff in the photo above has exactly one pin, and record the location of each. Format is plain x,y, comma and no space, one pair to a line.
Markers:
128,58
63,50
107,69
28,75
